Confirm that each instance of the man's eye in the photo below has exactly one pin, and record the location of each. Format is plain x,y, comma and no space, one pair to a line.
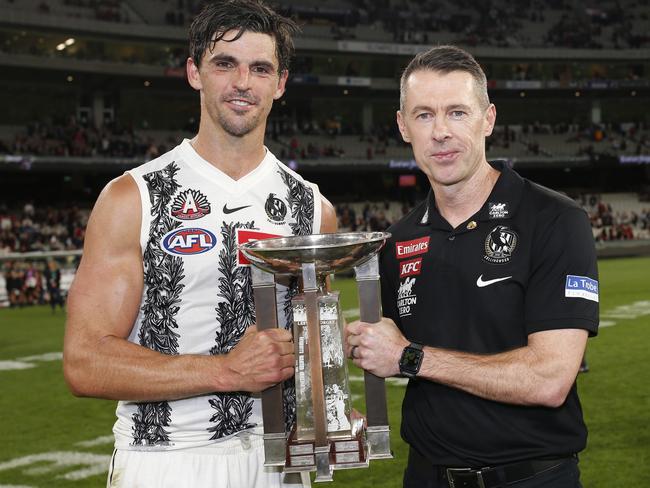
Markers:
423,116
223,64
457,114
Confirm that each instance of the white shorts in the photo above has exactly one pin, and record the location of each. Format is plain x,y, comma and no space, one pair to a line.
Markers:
235,463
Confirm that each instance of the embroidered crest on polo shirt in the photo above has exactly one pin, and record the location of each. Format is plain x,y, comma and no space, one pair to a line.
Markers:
500,244
406,298
498,210
190,205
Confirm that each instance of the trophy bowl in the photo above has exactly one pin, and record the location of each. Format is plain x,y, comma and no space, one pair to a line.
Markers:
328,252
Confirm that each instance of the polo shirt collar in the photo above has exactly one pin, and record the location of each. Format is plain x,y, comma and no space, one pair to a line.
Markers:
501,204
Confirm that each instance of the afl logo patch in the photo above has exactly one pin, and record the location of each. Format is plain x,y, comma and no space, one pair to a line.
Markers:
183,242
500,244
190,205
275,208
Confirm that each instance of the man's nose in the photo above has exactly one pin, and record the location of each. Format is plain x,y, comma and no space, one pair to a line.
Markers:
440,129
242,78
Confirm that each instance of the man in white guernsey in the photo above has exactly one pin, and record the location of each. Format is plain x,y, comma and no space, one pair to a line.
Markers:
161,315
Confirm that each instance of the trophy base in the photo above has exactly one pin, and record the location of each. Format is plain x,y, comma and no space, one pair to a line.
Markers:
342,453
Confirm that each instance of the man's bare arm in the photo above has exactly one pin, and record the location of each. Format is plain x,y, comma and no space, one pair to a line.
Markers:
540,373
103,304
329,224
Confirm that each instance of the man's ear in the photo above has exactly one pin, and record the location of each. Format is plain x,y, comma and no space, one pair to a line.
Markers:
490,119
402,127
193,74
282,83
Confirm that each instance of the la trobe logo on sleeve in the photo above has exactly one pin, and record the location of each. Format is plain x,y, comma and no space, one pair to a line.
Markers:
581,287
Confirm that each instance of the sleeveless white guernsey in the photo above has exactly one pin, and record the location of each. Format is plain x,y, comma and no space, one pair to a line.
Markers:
197,295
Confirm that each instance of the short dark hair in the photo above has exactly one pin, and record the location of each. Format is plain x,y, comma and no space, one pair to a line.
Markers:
446,59
218,17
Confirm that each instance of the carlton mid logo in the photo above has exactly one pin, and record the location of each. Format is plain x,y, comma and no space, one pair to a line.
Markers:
188,241
406,249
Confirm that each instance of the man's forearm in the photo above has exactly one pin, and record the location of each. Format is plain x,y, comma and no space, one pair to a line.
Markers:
540,373
119,370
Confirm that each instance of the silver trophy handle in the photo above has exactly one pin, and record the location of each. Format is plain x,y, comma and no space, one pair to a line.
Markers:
367,276
272,408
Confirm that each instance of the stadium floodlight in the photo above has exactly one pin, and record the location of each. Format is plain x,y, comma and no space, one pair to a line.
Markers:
61,47
69,42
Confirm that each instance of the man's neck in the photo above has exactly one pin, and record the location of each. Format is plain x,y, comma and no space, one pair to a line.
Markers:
234,156
457,203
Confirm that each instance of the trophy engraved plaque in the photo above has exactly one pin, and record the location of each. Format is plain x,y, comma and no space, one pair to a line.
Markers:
324,437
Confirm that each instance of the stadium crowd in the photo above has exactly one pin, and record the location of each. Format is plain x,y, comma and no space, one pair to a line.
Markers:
49,228
499,23
292,139
32,228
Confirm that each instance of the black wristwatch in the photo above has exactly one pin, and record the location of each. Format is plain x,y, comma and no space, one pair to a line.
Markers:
411,360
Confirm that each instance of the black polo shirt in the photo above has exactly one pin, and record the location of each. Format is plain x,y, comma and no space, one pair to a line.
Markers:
524,263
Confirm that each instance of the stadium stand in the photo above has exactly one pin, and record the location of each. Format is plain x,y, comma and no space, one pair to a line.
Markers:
94,87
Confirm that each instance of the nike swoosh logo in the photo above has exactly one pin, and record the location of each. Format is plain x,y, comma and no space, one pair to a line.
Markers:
480,283
227,210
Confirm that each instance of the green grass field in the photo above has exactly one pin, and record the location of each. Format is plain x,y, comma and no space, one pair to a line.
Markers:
48,438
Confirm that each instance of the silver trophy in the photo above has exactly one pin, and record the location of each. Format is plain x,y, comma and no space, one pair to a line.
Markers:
325,437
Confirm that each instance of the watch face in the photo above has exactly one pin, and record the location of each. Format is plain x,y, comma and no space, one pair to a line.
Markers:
410,361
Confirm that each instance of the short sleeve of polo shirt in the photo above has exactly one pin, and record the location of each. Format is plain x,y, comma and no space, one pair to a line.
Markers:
562,290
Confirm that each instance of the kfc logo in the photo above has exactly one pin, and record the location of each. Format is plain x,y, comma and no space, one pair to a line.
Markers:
410,268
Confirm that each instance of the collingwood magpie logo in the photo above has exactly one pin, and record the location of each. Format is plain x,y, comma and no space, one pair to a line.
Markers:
190,205
276,209
500,243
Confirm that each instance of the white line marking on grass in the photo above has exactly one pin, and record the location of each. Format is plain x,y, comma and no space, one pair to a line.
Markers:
96,464
26,362
10,365
353,312
606,323
631,311
100,441
390,381
48,356
16,486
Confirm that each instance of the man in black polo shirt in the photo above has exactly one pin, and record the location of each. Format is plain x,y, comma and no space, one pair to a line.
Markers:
489,288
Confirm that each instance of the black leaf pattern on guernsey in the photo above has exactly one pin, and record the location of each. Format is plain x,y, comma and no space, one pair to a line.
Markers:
301,203
289,386
235,313
163,275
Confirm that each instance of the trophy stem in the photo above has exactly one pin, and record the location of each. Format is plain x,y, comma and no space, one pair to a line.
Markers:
310,287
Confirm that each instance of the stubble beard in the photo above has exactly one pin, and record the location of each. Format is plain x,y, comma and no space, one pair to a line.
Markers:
238,125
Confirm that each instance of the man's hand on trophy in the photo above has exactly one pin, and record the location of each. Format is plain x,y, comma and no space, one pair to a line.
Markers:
261,359
375,347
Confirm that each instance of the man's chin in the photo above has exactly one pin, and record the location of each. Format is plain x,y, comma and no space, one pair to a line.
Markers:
238,129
